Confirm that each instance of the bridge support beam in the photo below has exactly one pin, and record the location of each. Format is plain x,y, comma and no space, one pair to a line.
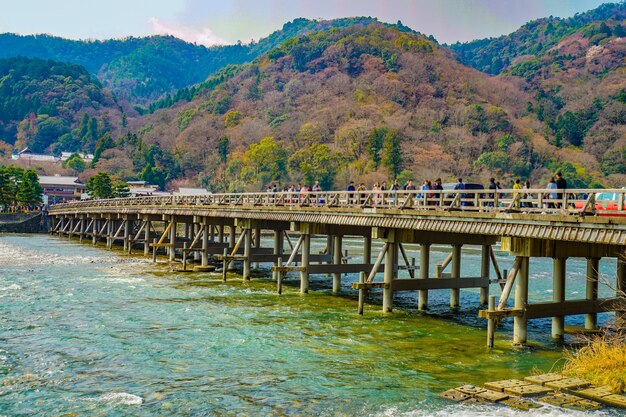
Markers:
146,237
620,316
422,295
278,250
591,291
95,227
455,293
304,273
172,239
337,252
257,243
110,233
247,249
205,242
484,272
520,323
367,249
390,270
558,296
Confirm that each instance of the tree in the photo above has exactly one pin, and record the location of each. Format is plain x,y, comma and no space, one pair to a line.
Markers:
375,144
11,176
104,142
392,153
569,128
100,186
30,191
267,159
223,147
121,190
317,163
75,163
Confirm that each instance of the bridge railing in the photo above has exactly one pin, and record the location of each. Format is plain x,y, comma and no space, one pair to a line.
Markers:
528,201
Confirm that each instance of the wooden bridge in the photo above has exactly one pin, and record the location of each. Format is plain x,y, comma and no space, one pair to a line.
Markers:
557,224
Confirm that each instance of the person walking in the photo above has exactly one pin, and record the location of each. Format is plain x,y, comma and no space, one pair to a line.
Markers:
350,189
561,184
552,196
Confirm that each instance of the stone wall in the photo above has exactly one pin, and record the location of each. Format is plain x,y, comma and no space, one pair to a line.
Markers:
23,223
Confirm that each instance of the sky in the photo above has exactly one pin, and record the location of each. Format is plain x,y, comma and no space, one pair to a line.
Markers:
219,22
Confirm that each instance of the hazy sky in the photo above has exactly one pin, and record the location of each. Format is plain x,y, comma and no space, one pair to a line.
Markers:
225,21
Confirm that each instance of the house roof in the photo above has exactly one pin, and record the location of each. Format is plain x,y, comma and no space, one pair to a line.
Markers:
58,180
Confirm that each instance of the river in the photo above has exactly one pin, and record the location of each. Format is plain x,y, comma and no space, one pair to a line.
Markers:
90,332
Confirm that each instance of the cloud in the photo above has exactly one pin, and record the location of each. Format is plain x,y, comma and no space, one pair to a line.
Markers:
204,36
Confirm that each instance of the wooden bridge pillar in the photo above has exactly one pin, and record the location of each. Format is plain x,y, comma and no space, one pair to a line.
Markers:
95,228
146,237
257,243
337,253
422,295
83,224
278,250
304,273
231,236
220,233
128,225
620,316
172,249
520,323
591,291
390,270
455,293
484,273
558,295
247,250
205,241
367,249
110,233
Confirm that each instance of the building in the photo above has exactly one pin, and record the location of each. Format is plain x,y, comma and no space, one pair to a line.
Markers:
57,189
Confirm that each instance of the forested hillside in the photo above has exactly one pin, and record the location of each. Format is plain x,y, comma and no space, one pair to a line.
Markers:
47,105
140,70
494,55
361,103
574,68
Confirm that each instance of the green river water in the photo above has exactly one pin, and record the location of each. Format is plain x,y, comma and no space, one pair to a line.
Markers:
90,332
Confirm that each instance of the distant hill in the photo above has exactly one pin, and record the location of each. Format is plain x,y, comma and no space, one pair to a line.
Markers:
140,70
576,70
43,102
360,102
495,55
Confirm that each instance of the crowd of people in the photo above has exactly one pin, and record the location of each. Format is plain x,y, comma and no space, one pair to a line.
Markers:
381,189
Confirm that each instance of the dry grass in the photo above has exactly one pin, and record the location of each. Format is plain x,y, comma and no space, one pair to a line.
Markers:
602,361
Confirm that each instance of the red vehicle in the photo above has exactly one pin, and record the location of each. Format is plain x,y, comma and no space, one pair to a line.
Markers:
607,204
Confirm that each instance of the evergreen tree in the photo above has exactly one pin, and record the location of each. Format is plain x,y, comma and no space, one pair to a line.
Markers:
100,186
375,144
121,190
30,191
392,153
223,147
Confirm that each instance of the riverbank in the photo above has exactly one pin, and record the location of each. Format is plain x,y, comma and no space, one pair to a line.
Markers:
33,222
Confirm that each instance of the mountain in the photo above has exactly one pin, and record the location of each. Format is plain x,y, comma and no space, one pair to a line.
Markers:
495,55
362,103
44,103
575,68
140,70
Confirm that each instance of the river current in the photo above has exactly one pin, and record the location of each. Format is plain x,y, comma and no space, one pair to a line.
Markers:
89,332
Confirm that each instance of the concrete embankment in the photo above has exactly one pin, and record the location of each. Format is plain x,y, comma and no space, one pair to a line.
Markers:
23,222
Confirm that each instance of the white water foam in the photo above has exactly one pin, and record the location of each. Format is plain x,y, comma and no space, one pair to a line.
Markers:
19,256
489,411
12,287
121,398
